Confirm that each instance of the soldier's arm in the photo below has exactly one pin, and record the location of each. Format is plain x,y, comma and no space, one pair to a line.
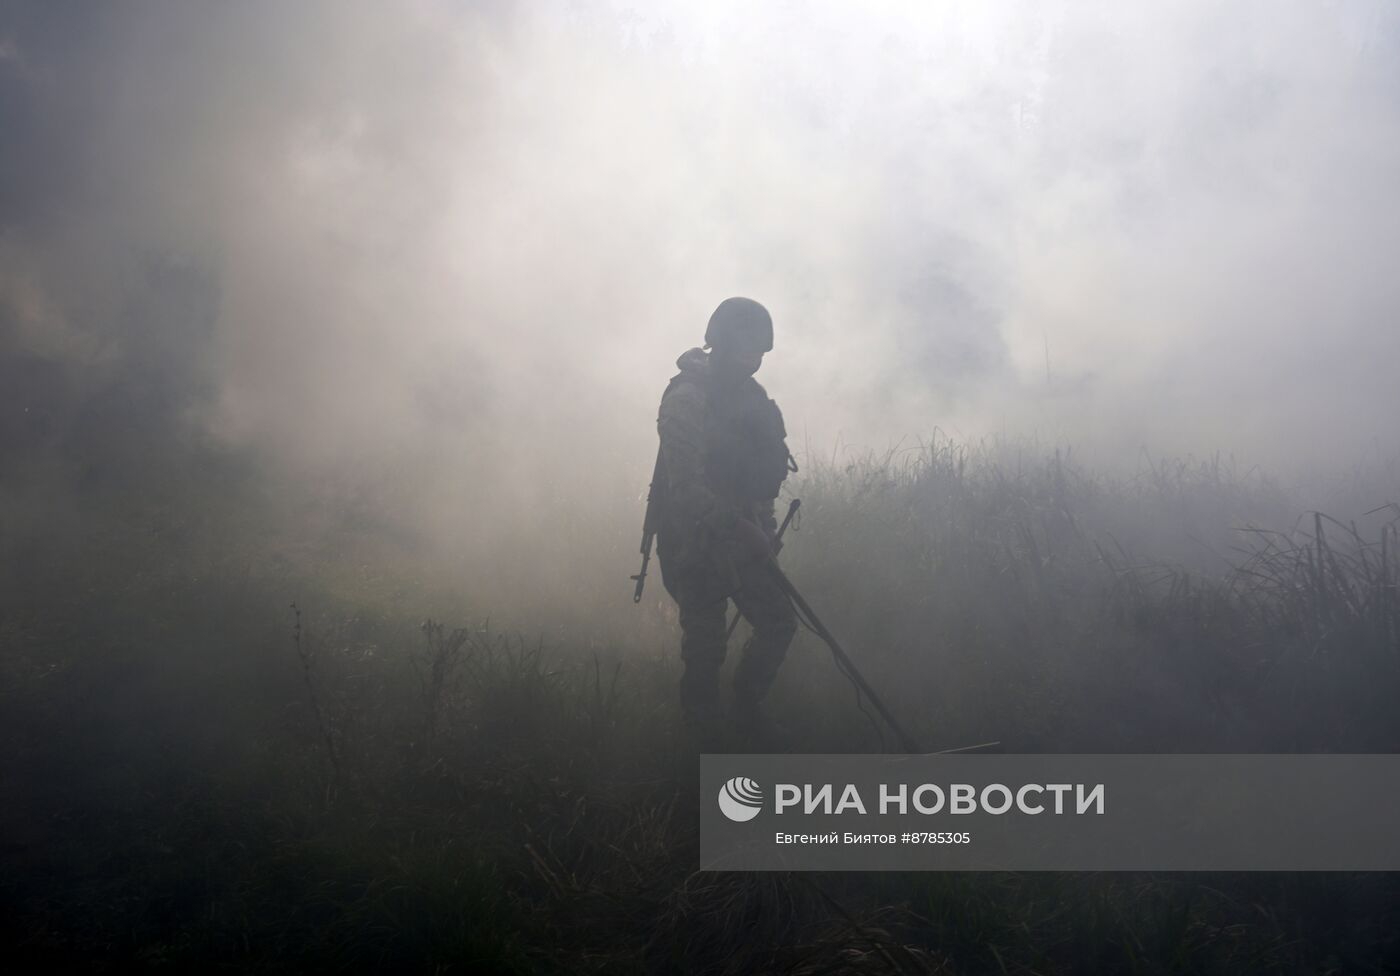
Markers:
681,424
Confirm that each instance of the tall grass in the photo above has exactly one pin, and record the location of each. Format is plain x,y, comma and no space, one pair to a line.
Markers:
199,776
1022,598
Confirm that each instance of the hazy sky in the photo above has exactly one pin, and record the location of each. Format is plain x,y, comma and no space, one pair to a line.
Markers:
467,241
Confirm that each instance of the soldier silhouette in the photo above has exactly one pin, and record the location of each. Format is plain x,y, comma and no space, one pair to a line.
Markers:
723,458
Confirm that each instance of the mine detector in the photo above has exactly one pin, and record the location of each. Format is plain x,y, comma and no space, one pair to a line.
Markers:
808,618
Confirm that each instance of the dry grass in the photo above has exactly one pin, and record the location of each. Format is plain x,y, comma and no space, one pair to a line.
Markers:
200,778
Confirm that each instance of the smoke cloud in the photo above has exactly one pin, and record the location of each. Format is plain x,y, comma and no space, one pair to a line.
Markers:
460,245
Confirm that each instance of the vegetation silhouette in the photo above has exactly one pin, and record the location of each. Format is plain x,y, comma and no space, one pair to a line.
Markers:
198,775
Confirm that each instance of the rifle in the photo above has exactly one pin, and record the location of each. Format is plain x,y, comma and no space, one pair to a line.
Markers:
648,529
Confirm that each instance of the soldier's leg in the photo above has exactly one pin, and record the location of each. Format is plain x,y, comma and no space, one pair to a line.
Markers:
702,649
702,605
769,612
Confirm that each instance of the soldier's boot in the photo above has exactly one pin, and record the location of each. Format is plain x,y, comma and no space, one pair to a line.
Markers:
757,730
701,713
699,690
705,729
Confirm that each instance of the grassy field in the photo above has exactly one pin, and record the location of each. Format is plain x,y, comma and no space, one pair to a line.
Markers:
231,743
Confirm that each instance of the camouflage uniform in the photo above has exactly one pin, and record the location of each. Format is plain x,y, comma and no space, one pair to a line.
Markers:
723,458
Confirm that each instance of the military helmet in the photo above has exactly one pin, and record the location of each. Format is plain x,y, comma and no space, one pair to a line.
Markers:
740,318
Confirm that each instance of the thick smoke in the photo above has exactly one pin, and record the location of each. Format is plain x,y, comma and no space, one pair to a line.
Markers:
456,247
